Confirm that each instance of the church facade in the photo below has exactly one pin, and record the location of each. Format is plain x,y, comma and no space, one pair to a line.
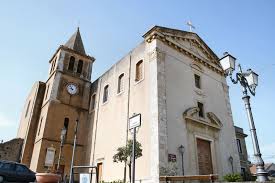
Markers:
172,78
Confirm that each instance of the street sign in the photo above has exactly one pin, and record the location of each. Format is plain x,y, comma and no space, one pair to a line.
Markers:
85,178
172,158
50,156
135,121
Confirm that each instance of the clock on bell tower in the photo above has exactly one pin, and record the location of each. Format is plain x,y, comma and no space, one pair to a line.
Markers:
66,100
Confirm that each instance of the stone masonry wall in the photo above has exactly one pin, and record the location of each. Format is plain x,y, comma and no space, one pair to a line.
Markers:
10,150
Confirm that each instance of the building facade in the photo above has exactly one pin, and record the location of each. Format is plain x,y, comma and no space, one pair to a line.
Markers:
241,145
172,78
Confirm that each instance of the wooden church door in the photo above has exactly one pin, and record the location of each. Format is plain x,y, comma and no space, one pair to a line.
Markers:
204,157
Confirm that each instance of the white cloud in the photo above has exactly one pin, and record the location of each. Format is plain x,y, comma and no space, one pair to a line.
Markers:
5,122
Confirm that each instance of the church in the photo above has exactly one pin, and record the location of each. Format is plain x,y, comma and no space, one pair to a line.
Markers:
172,78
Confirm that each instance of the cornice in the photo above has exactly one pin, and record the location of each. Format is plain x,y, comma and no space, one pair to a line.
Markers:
168,40
54,140
92,59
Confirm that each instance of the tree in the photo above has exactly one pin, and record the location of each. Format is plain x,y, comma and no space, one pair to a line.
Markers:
124,154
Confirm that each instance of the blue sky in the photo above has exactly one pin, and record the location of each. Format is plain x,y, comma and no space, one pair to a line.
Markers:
31,31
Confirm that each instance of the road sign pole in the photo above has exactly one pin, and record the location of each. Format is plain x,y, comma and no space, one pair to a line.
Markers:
134,157
134,122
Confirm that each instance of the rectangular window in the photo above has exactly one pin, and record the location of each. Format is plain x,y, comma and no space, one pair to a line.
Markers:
39,127
27,110
239,146
93,102
99,168
105,93
46,94
243,173
66,123
197,81
201,109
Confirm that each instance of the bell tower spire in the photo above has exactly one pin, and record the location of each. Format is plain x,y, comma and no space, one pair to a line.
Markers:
75,43
72,59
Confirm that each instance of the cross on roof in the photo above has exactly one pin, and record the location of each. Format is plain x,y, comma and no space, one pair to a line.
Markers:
191,26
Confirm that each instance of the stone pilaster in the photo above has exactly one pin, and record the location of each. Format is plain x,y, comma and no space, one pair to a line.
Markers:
162,118
159,147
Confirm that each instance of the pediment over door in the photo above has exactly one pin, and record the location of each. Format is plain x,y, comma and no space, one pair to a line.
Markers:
211,120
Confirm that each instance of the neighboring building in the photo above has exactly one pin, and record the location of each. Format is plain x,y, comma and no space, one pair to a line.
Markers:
172,78
241,145
29,120
269,167
11,150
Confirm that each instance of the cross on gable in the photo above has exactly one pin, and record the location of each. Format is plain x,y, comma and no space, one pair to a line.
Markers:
191,26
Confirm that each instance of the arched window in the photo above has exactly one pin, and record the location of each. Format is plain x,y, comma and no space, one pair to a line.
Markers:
66,123
71,64
79,66
53,65
139,70
120,83
106,93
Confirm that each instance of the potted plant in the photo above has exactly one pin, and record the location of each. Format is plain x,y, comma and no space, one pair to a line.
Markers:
50,176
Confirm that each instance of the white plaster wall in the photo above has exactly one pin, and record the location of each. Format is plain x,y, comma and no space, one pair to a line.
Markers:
181,95
166,91
110,121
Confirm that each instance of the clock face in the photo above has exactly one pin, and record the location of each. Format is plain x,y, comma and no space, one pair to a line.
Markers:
72,89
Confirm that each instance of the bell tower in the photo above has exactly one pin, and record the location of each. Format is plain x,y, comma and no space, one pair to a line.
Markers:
66,100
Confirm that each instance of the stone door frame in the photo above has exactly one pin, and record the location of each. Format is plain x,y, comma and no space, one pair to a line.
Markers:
212,152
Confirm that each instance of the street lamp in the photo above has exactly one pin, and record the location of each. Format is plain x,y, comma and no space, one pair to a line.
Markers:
62,139
181,150
248,81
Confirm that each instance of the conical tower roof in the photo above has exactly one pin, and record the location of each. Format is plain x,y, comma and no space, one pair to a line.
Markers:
75,43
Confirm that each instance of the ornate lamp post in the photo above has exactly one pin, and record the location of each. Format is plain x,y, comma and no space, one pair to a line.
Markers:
248,81
181,150
62,140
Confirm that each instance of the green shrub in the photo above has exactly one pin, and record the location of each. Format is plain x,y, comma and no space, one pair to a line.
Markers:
234,177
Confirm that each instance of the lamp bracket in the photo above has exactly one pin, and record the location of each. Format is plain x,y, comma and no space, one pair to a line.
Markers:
240,77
